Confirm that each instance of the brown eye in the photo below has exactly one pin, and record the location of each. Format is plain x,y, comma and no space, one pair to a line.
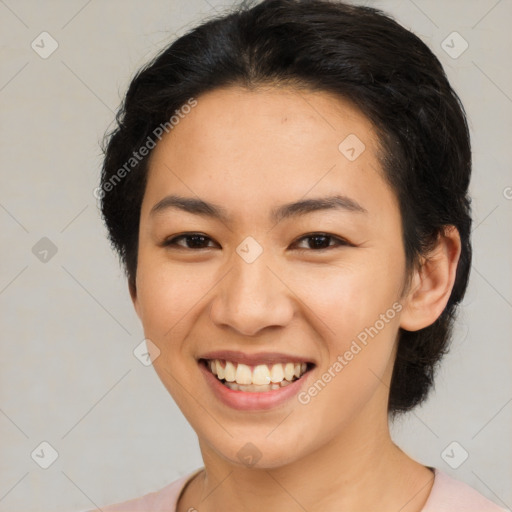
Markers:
321,241
189,241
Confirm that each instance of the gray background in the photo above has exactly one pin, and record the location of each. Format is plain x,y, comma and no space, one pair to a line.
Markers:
68,374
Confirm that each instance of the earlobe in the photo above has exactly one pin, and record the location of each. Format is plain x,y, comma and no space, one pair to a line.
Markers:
133,294
432,282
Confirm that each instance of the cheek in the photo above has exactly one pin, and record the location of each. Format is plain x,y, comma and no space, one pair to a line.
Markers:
168,293
361,309
169,296
348,298
362,319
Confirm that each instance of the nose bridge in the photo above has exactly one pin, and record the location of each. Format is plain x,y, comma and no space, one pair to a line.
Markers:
251,297
252,279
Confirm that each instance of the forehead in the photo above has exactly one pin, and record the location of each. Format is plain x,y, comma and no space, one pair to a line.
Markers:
246,147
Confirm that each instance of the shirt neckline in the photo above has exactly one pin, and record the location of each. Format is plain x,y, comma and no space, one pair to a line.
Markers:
188,478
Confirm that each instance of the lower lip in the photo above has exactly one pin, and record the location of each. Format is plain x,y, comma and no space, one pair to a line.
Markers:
255,401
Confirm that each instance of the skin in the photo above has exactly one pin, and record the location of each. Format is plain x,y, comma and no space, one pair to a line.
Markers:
251,151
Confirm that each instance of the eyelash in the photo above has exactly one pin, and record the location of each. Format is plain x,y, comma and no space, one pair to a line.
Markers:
172,242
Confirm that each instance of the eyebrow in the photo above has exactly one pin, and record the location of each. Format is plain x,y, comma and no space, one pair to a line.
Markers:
199,207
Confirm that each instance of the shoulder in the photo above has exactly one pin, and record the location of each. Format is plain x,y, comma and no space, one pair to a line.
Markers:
450,495
163,500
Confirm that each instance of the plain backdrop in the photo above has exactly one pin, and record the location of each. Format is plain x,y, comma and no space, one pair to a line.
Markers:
68,374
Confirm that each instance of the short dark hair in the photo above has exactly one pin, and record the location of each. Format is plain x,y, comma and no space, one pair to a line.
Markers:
359,54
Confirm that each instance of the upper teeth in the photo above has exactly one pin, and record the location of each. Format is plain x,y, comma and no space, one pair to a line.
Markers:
258,375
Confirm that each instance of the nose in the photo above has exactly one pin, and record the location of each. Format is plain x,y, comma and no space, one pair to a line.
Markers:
251,298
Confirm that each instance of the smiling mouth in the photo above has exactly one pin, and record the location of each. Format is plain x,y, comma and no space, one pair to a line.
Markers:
256,378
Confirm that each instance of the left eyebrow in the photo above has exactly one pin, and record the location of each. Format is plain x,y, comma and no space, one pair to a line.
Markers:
199,207
311,205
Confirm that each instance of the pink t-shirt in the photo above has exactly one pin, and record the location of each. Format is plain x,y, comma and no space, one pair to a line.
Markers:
447,495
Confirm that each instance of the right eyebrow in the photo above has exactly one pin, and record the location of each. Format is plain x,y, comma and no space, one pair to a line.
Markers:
190,205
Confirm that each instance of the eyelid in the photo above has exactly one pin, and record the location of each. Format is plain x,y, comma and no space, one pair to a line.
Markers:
172,241
339,241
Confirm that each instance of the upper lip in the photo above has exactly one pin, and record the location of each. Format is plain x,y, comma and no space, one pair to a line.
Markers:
236,356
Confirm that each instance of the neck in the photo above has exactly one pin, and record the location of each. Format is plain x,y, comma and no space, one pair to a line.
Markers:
357,470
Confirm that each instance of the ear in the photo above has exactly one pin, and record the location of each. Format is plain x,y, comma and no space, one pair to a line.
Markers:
432,282
132,287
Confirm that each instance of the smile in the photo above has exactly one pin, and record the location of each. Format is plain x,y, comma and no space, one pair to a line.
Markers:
255,378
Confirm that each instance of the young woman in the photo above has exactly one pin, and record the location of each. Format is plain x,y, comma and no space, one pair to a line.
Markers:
287,190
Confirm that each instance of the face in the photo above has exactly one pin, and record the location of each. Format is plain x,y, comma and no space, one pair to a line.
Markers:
271,254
